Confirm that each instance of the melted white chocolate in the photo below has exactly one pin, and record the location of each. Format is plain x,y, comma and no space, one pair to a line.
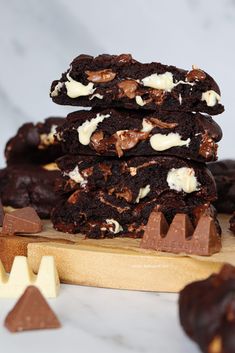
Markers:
182,179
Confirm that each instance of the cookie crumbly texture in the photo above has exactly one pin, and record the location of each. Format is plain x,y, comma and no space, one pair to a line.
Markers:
207,314
137,179
224,174
115,132
121,81
34,143
29,185
107,198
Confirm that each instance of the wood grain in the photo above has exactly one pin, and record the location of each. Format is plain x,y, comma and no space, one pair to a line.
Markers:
120,263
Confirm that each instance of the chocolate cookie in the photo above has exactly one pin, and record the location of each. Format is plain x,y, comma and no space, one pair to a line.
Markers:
207,311
29,185
34,143
98,214
232,223
121,81
113,132
139,178
224,174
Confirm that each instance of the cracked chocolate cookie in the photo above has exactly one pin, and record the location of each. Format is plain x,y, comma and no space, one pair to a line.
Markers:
121,81
98,214
138,178
224,174
207,311
113,132
34,143
29,185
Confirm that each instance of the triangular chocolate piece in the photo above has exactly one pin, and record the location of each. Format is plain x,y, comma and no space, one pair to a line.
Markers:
156,228
180,229
31,312
1,214
207,236
24,220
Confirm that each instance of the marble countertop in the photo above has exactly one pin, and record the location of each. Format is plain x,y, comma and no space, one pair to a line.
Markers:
104,320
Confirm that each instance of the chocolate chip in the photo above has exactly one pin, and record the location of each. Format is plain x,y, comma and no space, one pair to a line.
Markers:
128,88
106,75
31,312
195,75
24,220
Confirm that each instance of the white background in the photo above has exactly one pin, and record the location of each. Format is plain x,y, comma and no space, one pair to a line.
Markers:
38,40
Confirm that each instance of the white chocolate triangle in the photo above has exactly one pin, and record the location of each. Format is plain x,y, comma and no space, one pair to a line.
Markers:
22,276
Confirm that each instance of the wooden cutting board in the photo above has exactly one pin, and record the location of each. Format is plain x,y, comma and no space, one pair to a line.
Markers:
120,263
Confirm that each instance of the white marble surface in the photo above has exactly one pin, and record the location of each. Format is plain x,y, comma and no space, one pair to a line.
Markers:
102,320
39,38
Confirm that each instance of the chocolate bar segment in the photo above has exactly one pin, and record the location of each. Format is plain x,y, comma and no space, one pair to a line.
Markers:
121,81
31,312
180,236
207,313
24,220
113,132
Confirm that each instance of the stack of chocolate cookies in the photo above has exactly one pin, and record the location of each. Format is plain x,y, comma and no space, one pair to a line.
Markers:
144,144
31,173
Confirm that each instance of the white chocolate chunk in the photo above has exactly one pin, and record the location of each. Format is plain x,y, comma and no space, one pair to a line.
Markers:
147,126
76,89
182,179
57,89
142,193
160,142
96,95
117,227
180,99
88,127
139,101
22,276
48,139
163,81
211,98
76,176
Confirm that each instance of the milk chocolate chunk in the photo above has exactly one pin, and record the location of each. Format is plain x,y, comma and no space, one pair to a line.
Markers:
31,312
207,311
181,237
122,82
24,220
1,213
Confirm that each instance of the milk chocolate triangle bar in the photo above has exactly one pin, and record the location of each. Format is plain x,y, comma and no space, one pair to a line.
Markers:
24,220
181,237
31,312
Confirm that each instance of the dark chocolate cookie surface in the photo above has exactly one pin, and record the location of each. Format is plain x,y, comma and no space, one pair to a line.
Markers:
121,81
115,132
207,311
29,185
34,143
224,174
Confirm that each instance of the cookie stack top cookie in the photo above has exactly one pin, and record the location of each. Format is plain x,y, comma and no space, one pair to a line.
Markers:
138,109
146,121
